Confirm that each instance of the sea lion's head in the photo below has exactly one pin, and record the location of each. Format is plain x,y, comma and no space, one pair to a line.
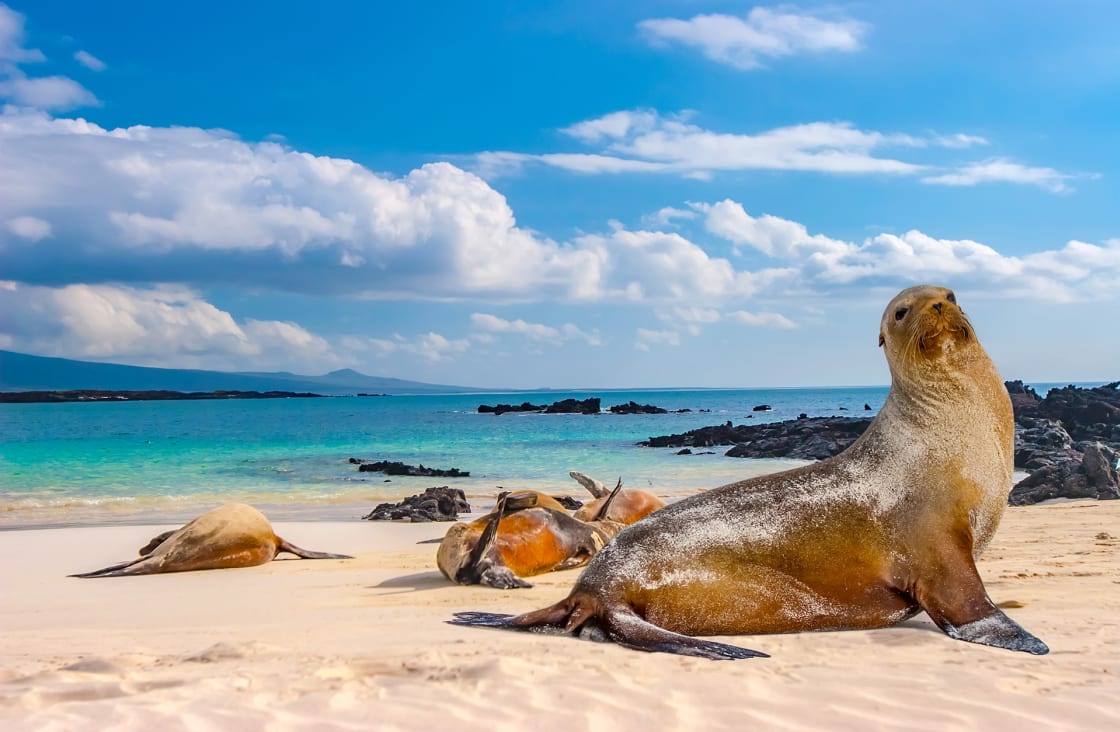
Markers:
923,328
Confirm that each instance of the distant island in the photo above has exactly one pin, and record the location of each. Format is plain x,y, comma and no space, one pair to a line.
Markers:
102,395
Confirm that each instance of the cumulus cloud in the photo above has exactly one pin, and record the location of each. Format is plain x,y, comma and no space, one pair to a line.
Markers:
160,326
90,61
668,216
1006,171
744,42
1078,271
202,207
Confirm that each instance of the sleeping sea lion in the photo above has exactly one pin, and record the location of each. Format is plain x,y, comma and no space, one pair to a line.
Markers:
626,508
886,529
233,535
521,537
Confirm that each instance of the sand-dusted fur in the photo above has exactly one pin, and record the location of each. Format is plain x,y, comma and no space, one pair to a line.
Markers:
888,528
233,535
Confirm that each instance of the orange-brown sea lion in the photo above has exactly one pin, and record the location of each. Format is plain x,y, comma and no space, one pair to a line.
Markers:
888,528
626,508
519,539
233,535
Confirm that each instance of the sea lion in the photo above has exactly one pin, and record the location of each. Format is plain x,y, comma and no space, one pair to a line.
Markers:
887,528
519,538
233,535
626,508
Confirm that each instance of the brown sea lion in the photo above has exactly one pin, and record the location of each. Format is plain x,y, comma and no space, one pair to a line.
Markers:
233,535
626,508
887,528
519,539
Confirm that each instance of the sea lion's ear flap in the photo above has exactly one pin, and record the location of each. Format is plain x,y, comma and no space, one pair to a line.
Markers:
882,340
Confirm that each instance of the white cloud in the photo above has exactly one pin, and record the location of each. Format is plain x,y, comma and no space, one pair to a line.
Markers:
161,326
28,227
1002,170
816,263
667,216
764,33
646,338
90,61
56,93
761,320
534,331
431,347
12,37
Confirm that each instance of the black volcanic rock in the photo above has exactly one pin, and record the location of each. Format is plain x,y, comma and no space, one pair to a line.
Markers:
762,408
1087,414
633,407
434,504
502,408
812,438
575,406
398,468
1092,476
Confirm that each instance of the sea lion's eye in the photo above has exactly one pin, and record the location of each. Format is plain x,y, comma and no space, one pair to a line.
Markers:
901,313
951,298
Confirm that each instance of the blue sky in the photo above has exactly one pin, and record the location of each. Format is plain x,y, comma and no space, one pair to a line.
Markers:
563,194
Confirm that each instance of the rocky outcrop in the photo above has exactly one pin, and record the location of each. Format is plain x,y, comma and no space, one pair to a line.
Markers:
814,438
434,504
503,408
398,468
1091,475
1069,441
564,406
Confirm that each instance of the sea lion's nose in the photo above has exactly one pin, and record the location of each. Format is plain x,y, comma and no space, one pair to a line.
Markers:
937,307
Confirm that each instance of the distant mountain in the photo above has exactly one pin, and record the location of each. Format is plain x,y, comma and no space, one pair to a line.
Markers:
23,372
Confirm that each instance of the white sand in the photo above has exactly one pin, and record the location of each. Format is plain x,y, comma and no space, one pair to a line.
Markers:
362,644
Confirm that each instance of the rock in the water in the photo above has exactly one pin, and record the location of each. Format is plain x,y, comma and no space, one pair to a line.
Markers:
1088,475
762,408
813,438
574,406
399,468
434,504
633,407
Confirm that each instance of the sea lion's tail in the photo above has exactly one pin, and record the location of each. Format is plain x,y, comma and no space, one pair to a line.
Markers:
583,615
285,546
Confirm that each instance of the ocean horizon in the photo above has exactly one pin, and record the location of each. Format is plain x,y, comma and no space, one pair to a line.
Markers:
99,463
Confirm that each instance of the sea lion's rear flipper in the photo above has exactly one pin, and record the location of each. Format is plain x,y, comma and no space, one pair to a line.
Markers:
602,514
284,546
570,616
594,487
133,566
483,565
952,594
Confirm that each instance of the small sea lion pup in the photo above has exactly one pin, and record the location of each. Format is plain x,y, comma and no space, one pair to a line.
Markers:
527,533
887,528
233,535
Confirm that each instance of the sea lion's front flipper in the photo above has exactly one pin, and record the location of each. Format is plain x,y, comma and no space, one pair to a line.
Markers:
284,546
152,545
952,594
606,507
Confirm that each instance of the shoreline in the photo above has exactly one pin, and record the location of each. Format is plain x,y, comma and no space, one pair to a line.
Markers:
336,644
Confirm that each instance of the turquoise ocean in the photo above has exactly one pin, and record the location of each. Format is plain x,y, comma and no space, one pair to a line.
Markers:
95,463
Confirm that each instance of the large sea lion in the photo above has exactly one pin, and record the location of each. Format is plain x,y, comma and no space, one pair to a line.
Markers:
888,528
626,507
233,535
525,534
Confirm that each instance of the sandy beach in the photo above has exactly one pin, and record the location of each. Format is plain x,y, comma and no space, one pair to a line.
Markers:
362,644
